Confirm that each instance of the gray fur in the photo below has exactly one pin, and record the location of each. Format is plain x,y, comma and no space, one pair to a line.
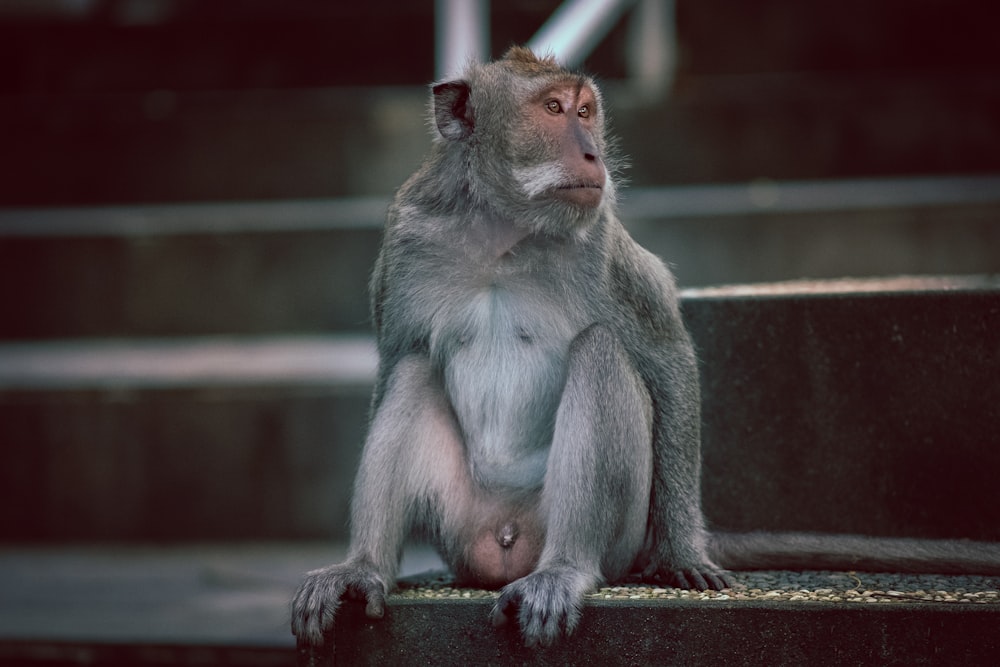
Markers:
536,410
815,551
534,373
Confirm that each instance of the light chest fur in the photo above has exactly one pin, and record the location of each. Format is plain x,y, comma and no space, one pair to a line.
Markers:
499,341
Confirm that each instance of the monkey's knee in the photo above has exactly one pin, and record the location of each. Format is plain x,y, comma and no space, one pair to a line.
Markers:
600,365
600,350
598,338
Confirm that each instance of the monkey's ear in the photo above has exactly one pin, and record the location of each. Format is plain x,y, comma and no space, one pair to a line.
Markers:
452,111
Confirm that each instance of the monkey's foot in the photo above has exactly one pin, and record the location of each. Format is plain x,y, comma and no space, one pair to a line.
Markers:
318,598
547,603
706,576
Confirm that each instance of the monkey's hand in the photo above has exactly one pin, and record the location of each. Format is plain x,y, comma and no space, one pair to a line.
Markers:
318,598
697,574
547,603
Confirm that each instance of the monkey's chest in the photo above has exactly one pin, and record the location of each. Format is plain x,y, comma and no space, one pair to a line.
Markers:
502,357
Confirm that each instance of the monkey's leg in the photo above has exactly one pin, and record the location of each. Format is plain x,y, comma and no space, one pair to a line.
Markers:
595,500
412,454
676,551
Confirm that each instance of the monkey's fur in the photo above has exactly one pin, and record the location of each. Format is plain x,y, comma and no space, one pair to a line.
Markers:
536,408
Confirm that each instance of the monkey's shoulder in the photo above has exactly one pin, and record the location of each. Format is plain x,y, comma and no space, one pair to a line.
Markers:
642,286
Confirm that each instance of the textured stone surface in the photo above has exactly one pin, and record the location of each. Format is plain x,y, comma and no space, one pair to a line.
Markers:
228,605
676,633
844,407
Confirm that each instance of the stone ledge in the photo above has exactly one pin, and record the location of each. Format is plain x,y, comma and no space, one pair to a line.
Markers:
344,361
761,585
228,605
905,286
457,632
863,406
644,632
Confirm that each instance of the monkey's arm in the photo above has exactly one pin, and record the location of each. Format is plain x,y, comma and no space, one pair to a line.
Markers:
664,357
412,430
677,548
383,501
398,267
378,528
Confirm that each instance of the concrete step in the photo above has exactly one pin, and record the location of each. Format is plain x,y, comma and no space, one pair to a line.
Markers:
192,604
242,110
189,269
268,268
164,145
711,630
228,605
181,439
856,406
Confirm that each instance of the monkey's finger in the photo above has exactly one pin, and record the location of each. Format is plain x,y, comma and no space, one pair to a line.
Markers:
691,579
311,655
654,574
376,604
298,622
718,581
499,615
308,611
539,627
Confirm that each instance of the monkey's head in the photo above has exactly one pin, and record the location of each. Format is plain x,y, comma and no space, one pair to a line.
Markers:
526,140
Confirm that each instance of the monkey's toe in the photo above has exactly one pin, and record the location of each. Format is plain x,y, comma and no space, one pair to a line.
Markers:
704,578
700,580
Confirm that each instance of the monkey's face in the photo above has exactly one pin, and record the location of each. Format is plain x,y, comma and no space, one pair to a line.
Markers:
525,139
557,146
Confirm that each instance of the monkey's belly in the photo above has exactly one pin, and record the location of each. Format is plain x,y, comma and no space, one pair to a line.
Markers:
503,355
505,400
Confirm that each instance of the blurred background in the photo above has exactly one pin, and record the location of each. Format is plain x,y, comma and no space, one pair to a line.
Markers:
121,101
191,198
191,195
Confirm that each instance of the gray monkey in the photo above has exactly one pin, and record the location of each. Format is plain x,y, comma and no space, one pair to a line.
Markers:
536,411
536,408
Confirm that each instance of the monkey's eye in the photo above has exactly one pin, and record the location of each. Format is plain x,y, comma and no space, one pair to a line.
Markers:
584,111
553,106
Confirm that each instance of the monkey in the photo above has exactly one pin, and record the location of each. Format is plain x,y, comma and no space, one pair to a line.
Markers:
536,409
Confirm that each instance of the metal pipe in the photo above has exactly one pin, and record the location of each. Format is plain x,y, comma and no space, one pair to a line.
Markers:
576,27
463,35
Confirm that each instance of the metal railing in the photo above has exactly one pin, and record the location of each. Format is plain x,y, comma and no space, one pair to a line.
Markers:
572,32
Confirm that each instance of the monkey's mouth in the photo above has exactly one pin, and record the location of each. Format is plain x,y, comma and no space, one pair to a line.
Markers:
587,195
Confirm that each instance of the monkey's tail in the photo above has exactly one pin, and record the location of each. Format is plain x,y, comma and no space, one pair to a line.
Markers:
815,551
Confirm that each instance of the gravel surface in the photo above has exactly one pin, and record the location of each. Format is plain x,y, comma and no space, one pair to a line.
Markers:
774,586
